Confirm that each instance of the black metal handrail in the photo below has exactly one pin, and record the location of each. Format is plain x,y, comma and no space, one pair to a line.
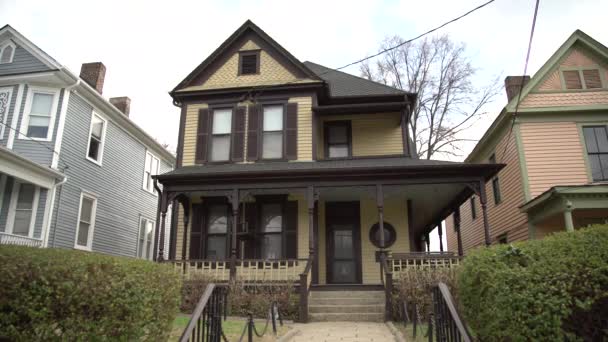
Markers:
446,321
305,290
386,277
206,320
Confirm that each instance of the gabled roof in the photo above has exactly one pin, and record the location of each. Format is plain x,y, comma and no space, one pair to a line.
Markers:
31,47
342,84
577,37
247,27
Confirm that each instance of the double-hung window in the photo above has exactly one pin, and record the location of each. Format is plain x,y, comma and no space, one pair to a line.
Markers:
596,141
41,106
271,229
217,231
272,135
145,242
151,168
97,134
22,210
86,222
338,139
220,135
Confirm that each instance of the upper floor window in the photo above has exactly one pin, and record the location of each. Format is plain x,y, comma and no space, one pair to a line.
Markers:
582,79
473,208
151,168
596,141
97,133
22,209
338,142
40,109
249,62
7,52
495,183
145,243
86,222
217,231
220,134
272,135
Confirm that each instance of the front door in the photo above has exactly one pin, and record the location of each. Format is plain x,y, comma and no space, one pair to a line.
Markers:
343,243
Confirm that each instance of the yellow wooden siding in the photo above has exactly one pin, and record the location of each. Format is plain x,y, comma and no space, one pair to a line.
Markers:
372,134
554,155
191,125
504,217
304,126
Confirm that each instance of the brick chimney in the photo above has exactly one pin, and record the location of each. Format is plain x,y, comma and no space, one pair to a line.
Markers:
94,74
513,84
123,104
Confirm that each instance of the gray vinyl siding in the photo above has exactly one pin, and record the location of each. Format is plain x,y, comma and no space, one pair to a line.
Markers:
40,213
5,203
117,185
23,62
9,115
36,151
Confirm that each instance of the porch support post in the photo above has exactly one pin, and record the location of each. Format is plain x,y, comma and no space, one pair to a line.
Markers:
185,202
428,242
483,200
310,198
157,227
440,232
457,228
163,216
568,217
234,200
380,204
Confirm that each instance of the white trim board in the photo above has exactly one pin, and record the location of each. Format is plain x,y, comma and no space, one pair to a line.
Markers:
3,123
16,115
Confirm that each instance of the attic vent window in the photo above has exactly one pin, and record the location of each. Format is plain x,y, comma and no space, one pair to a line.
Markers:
582,79
7,52
249,62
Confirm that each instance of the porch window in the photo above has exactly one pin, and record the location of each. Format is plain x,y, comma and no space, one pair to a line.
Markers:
220,134
40,108
151,168
97,134
23,204
145,242
86,222
338,139
217,230
596,141
473,208
271,231
272,135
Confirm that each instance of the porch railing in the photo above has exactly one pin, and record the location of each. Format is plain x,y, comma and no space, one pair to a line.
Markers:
446,321
399,263
247,270
206,320
305,282
386,277
12,239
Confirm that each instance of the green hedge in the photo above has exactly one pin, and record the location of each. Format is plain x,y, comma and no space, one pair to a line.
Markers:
57,294
550,289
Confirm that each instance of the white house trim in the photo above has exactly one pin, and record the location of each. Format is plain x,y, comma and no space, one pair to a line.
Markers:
31,48
60,127
16,114
15,165
3,121
47,226
28,107
3,178
89,246
12,209
103,138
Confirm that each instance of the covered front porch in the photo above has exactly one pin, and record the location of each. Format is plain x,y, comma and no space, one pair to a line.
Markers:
327,222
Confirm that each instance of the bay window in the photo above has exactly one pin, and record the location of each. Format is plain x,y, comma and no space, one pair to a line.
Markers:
272,135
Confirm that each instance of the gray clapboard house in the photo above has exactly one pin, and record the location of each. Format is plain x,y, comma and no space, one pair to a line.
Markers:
75,171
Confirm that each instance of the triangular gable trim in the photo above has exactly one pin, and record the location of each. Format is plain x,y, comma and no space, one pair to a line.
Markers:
30,47
225,46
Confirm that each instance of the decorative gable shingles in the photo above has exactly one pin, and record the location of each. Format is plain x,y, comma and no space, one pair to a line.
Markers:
23,62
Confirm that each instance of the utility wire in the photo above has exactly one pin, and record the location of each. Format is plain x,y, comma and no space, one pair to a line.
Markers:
521,85
260,90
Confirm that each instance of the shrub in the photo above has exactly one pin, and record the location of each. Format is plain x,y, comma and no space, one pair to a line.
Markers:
244,299
192,290
57,294
551,289
414,287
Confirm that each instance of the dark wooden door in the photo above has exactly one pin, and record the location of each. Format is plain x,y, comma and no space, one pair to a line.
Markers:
343,236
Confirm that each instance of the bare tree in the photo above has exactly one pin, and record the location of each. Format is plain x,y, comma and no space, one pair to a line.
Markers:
438,70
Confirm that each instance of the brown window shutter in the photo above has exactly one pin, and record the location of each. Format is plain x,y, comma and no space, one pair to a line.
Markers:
290,231
238,134
202,136
592,79
291,131
253,132
572,79
251,219
197,232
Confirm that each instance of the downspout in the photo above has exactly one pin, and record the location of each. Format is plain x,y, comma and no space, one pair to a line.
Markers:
58,195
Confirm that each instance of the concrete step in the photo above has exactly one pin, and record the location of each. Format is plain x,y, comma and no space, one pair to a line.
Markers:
347,294
346,308
346,301
346,317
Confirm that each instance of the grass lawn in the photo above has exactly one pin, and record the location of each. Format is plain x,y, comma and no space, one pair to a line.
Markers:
232,329
408,332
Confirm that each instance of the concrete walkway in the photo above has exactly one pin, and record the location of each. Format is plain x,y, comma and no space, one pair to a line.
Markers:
343,331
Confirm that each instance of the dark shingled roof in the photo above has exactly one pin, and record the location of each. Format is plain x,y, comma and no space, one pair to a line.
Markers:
343,84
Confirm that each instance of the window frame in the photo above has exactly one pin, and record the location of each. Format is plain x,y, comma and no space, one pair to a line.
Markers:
102,143
249,53
473,204
217,203
580,70
12,209
138,250
586,150
283,105
89,245
502,239
3,46
211,135
146,177
271,200
495,183
326,137
28,108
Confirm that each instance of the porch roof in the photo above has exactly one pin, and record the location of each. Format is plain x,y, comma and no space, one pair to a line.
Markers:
18,166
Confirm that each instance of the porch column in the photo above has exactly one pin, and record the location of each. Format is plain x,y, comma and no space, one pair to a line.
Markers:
380,204
185,202
568,217
163,216
428,242
439,231
484,211
234,200
310,198
457,228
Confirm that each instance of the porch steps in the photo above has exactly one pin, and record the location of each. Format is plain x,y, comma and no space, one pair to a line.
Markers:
351,306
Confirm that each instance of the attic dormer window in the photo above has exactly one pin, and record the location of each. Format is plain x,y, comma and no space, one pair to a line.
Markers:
249,62
7,52
582,79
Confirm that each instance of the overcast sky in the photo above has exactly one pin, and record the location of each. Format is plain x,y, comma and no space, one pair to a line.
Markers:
149,46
